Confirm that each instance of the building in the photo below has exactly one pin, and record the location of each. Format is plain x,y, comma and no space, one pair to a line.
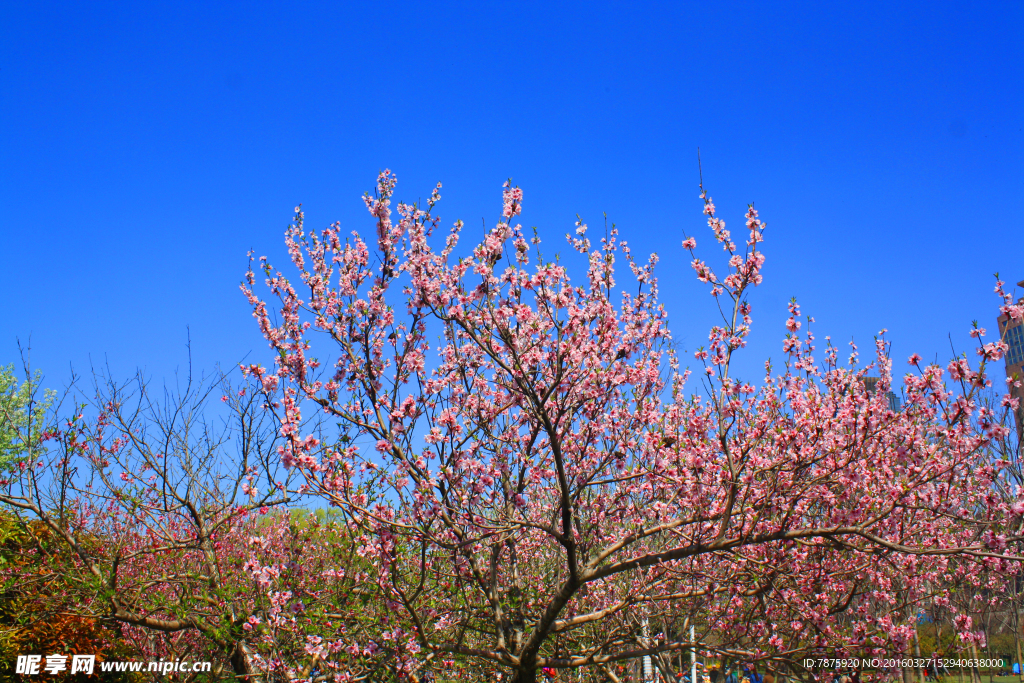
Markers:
1012,332
894,401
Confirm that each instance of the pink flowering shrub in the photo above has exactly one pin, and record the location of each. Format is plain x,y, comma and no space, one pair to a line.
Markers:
172,532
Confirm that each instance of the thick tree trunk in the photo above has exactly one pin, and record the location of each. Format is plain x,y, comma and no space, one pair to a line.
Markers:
525,676
240,662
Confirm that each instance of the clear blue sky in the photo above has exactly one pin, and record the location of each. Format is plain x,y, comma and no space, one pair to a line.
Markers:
146,147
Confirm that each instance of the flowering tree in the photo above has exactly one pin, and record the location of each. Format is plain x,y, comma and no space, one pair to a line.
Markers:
538,488
148,511
302,593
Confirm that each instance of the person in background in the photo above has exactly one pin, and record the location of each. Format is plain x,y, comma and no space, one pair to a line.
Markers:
730,676
713,674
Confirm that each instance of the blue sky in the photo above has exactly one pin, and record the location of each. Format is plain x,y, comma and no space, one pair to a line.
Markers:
146,147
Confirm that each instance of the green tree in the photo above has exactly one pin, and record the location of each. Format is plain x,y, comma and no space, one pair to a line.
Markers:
22,414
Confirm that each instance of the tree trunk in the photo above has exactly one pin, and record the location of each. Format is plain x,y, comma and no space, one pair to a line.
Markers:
1016,640
917,653
240,662
1015,604
525,676
975,671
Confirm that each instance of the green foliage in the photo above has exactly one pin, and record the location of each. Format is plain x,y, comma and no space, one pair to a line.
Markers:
37,610
22,414
1002,646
